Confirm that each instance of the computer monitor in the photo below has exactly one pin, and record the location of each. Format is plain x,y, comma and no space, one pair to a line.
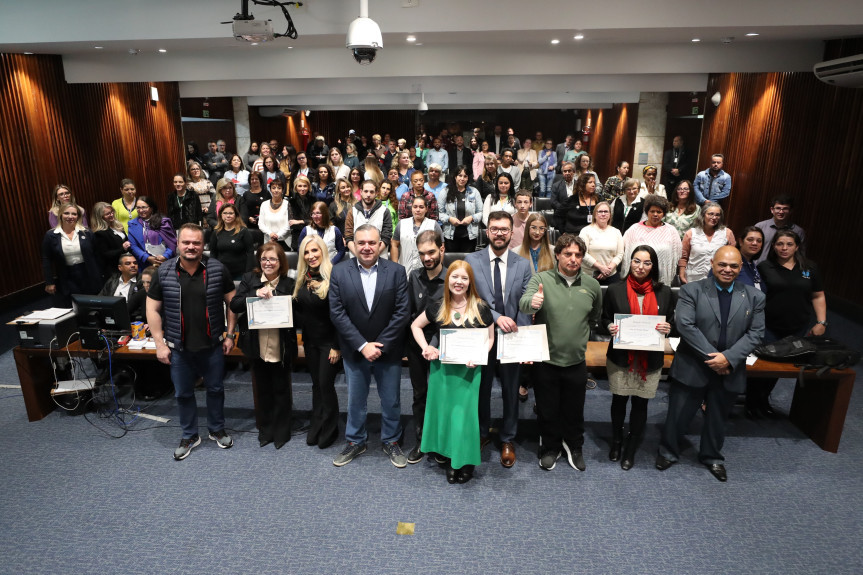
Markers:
100,315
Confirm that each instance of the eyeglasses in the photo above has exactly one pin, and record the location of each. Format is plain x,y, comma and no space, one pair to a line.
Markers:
536,229
499,231
269,260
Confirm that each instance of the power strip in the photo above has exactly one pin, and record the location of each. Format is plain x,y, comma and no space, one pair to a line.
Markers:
72,386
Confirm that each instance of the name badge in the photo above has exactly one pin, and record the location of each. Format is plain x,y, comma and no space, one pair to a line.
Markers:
589,218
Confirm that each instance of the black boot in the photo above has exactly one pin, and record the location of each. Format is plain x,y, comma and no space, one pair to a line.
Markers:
629,449
616,444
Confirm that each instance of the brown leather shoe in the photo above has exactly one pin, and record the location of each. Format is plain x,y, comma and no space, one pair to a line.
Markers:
507,455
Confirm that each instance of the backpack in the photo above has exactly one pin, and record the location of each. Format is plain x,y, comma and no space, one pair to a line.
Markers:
821,353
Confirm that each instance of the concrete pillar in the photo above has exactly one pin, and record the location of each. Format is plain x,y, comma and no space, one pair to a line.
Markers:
241,125
650,132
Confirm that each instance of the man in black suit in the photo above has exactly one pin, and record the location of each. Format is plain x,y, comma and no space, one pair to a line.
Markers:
720,322
675,164
562,189
369,307
460,155
562,149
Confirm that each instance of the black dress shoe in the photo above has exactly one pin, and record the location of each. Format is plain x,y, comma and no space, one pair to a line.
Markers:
465,474
451,475
718,471
662,463
280,444
614,453
311,439
264,441
627,463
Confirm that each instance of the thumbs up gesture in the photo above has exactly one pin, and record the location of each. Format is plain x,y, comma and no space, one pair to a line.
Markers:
537,299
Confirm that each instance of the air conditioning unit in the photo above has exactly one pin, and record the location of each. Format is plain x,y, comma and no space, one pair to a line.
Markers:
844,72
273,111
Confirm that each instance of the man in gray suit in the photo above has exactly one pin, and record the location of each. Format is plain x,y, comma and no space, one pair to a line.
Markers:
720,322
501,276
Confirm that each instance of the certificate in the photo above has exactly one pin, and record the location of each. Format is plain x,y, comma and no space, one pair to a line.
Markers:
529,343
463,346
270,313
638,332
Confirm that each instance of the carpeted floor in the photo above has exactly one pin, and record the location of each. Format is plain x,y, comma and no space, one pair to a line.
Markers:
75,500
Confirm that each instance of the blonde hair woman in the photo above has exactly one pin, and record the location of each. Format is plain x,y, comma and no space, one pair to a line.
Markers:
319,338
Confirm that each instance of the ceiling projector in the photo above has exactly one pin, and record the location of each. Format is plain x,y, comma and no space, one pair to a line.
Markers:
253,30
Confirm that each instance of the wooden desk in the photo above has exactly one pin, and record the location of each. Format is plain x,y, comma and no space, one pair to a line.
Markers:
818,408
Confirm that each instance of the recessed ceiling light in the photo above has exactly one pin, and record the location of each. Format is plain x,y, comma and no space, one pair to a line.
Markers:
28,53
696,39
578,37
753,34
98,47
254,43
290,47
411,38
162,50
555,41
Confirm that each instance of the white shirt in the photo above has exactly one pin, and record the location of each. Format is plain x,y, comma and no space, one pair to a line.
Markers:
503,261
123,289
71,248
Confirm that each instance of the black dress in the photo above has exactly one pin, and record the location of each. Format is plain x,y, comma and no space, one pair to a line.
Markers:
109,248
235,250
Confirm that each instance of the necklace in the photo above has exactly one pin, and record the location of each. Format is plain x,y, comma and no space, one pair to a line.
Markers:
457,315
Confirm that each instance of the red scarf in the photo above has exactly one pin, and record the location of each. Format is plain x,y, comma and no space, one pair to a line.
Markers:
638,359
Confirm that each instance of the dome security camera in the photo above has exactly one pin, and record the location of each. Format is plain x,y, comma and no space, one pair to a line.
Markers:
364,40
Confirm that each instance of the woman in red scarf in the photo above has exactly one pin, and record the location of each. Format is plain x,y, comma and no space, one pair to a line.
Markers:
635,374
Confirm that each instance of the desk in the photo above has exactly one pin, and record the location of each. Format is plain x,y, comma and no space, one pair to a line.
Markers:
818,408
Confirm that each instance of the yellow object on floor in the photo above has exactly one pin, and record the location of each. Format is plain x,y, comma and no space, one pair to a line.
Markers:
405,528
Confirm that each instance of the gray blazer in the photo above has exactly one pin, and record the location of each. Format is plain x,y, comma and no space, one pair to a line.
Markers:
697,320
518,273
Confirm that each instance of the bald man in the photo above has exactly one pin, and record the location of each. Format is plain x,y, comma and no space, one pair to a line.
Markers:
710,362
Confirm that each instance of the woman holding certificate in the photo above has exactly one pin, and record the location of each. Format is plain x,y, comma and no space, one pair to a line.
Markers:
631,373
451,427
271,350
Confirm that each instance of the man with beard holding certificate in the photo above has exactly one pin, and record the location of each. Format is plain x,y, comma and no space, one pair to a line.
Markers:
568,302
501,276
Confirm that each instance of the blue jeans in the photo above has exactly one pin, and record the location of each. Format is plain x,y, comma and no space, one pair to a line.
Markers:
545,181
388,378
186,367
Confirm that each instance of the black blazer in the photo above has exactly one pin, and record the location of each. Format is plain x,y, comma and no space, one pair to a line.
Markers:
467,160
54,267
615,301
682,166
249,286
384,323
109,248
632,218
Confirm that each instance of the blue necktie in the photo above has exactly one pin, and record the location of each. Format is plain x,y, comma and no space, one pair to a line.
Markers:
498,288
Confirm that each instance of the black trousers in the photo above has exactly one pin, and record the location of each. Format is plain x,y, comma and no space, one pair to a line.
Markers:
560,394
460,245
508,375
324,426
275,399
683,403
418,368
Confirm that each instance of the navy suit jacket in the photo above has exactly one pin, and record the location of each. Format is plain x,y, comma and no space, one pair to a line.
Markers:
384,323
697,318
518,273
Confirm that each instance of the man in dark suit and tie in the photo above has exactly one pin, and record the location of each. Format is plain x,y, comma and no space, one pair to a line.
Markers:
501,277
563,188
720,322
675,164
369,307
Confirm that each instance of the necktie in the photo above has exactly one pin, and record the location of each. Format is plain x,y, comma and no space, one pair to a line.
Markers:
498,288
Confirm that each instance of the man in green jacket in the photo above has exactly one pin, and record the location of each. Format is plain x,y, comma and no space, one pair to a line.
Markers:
567,302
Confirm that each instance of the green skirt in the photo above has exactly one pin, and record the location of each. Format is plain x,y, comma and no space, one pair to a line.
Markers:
451,426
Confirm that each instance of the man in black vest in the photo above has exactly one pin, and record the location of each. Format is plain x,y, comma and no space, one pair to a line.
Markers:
186,298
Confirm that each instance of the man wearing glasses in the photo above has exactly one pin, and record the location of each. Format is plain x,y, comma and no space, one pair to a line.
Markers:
501,277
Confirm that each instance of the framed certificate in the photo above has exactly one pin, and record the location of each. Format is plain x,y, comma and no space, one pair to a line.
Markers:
463,346
638,332
270,313
529,343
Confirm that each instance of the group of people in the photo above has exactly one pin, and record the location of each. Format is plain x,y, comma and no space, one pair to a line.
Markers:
370,288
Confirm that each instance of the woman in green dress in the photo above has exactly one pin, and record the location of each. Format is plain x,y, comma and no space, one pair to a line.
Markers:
452,407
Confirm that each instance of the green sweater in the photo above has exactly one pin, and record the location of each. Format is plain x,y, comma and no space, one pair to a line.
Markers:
567,312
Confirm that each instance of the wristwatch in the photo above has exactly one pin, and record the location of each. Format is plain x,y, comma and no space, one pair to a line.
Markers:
231,335
824,323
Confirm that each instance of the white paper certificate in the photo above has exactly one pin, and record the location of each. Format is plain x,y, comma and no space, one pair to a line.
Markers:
271,313
529,343
638,332
463,346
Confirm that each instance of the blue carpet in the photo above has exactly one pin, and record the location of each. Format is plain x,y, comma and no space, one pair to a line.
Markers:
76,501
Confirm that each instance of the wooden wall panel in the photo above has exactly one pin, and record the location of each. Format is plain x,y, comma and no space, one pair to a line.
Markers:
612,137
89,136
790,133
